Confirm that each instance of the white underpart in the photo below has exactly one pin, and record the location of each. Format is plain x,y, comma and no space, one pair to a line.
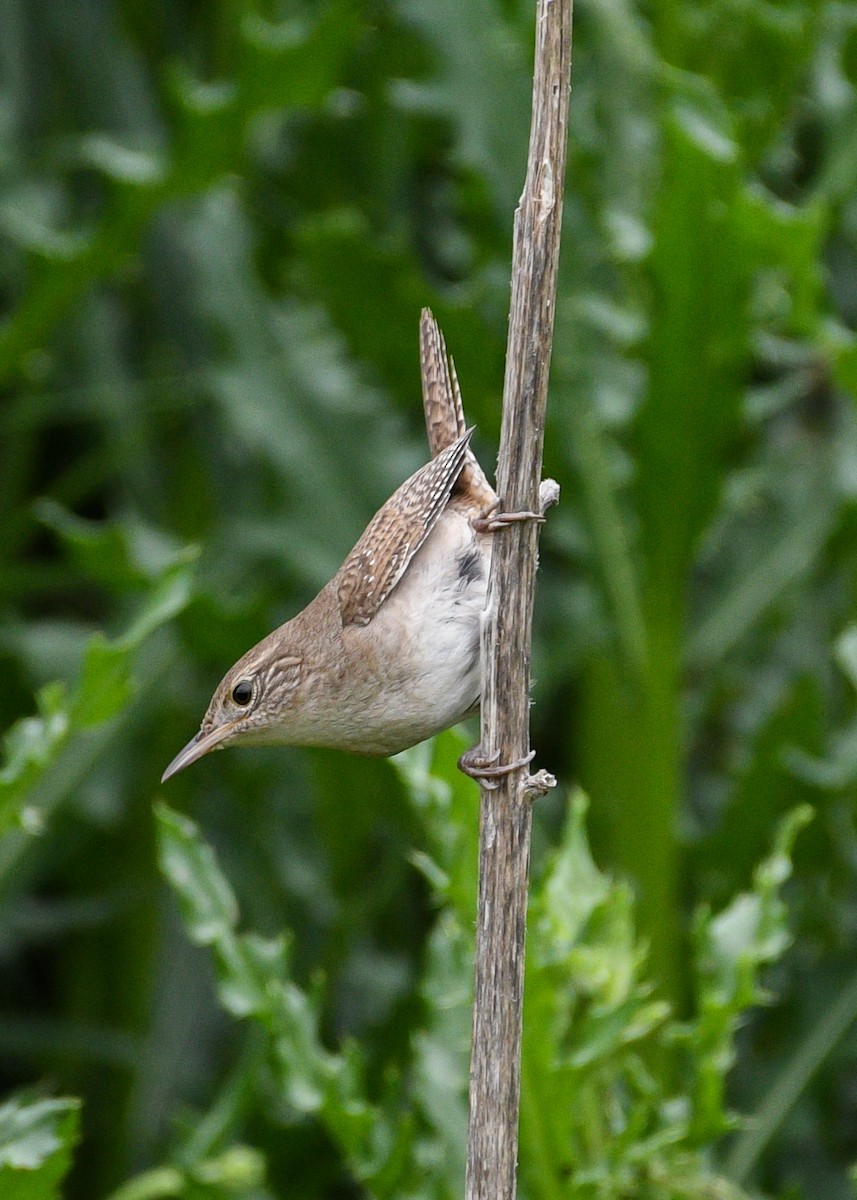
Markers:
426,638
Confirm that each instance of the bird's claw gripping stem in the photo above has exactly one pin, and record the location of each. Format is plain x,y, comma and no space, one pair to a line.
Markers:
487,768
492,520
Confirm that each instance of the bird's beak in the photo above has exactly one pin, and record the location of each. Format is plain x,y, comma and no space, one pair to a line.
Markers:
196,747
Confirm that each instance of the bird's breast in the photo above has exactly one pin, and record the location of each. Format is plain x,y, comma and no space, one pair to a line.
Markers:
415,668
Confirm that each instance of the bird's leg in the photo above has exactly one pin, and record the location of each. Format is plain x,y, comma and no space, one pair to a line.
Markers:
487,768
490,519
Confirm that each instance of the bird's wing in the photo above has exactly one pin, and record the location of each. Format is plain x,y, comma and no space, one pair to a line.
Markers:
444,411
395,533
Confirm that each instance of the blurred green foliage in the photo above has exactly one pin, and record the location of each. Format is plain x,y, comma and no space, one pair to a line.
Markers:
218,224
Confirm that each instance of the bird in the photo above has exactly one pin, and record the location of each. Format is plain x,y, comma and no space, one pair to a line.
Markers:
388,652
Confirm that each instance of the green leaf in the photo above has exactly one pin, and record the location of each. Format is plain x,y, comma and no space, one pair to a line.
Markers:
254,981
120,555
732,947
29,748
105,684
34,744
698,339
208,903
481,83
36,1141
447,803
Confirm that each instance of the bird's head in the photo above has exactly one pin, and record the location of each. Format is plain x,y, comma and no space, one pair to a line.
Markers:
249,705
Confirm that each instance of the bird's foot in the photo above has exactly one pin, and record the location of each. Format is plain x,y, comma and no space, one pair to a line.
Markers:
487,768
490,519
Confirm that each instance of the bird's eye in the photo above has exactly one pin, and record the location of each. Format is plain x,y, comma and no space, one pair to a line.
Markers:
242,693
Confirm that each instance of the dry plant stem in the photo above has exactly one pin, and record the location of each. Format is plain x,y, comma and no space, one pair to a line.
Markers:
505,811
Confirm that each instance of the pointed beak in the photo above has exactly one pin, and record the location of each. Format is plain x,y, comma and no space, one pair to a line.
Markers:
196,747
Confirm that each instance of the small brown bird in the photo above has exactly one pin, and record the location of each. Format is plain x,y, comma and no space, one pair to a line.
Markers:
388,653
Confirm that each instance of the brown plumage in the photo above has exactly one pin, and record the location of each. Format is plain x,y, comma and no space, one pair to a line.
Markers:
395,533
388,652
444,412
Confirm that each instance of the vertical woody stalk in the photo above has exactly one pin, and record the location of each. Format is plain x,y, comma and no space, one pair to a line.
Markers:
505,810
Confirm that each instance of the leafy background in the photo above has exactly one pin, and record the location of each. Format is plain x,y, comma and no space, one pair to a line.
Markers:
218,223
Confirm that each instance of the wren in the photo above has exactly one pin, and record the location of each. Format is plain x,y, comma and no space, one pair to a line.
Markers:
388,652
